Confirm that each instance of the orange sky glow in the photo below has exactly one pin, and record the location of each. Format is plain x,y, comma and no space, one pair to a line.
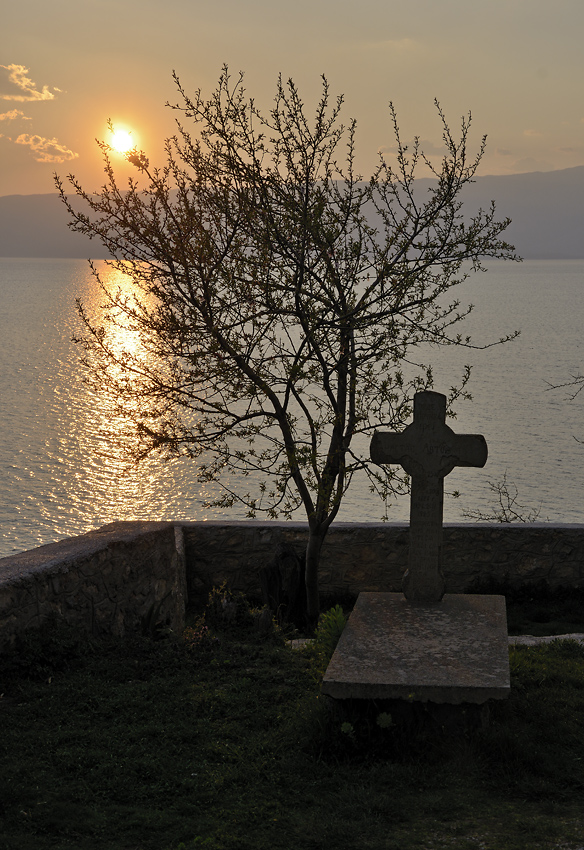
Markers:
517,65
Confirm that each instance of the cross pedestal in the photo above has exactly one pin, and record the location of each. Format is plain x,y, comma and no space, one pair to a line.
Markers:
423,645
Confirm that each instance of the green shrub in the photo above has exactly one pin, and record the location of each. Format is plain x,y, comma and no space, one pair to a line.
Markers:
330,627
229,611
199,638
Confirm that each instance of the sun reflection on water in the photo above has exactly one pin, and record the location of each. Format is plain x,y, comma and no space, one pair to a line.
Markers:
63,467
120,490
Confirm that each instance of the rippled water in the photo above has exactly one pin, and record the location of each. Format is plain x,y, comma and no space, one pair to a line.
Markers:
59,478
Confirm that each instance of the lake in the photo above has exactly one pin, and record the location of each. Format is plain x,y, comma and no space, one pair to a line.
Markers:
58,478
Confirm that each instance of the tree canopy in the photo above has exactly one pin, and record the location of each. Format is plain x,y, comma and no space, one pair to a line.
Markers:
277,295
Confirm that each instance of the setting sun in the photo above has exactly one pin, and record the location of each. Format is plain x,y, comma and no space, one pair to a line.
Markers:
121,140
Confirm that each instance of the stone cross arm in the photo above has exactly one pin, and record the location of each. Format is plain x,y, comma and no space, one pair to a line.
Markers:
422,452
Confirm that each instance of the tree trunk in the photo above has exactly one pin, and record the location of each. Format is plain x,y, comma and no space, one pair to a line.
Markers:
315,540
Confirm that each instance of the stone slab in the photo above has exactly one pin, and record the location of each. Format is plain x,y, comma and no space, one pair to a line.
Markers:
452,651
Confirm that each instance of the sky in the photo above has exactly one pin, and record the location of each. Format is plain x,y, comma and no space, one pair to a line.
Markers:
67,66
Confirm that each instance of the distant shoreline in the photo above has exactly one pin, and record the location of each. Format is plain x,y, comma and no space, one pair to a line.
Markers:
546,209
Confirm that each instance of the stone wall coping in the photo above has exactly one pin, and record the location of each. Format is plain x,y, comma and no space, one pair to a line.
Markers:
56,557
257,523
63,552
567,526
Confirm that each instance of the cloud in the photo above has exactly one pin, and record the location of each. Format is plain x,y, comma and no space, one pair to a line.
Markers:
504,152
13,115
46,150
43,149
532,133
29,92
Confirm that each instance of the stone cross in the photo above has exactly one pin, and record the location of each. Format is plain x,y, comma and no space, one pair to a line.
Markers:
428,450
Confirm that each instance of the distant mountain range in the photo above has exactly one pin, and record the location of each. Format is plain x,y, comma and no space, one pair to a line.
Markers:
546,208
36,226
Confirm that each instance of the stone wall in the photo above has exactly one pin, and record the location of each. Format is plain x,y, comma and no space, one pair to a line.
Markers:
373,556
106,581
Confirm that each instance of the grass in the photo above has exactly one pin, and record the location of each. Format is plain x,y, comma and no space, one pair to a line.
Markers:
219,740
541,610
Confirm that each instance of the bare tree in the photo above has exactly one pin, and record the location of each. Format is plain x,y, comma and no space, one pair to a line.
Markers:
506,508
575,384
278,296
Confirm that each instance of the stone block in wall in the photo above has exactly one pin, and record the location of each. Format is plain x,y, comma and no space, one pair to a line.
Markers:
354,557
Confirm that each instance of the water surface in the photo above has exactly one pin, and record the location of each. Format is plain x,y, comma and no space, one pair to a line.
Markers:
59,478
